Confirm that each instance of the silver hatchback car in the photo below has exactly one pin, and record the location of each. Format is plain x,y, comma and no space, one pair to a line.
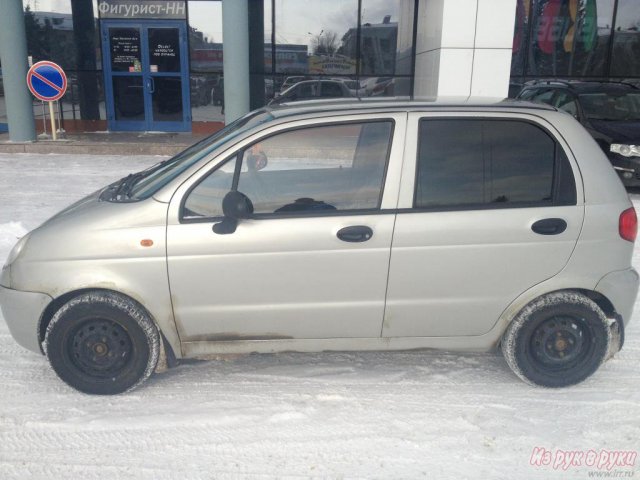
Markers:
340,226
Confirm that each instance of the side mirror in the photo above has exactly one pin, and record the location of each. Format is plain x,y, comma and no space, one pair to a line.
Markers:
235,206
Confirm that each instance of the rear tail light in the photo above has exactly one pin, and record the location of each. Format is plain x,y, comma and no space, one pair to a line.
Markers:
628,226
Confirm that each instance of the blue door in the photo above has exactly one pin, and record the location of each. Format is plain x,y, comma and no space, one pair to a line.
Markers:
146,75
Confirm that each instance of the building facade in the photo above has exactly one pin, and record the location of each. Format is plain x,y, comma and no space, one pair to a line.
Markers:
158,65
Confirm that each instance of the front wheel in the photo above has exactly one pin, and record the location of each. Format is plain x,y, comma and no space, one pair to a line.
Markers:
557,340
102,343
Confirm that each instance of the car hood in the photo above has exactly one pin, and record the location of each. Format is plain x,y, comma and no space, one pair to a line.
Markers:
93,228
618,131
77,206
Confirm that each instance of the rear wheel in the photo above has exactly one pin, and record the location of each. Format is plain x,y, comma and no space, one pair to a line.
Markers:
557,340
102,343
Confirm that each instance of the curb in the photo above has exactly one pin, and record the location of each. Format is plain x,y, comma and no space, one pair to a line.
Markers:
107,148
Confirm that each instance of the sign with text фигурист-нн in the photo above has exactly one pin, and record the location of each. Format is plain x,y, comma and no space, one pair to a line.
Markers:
141,9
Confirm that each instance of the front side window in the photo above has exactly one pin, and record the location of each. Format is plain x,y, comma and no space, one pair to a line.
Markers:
483,163
206,199
156,177
567,103
311,170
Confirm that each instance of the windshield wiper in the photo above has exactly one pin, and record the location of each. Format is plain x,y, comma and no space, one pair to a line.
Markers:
123,190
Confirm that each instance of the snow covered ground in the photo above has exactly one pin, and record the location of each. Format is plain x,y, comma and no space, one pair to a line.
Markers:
330,415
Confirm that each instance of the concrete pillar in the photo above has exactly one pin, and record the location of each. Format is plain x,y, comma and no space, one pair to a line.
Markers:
235,50
13,54
464,47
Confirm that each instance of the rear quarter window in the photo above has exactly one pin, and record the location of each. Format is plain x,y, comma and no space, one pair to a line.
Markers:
487,163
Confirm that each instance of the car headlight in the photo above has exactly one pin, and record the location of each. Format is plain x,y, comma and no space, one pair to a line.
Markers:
17,250
626,150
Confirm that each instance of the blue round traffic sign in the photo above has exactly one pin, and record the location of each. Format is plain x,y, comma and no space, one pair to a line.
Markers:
47,81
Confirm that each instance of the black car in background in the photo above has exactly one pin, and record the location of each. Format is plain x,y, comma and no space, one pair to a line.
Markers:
610,111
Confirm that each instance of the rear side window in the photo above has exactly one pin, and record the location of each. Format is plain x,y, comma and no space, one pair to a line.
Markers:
485,163
331,90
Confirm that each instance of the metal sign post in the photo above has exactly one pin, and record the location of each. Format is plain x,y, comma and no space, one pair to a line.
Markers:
44,135
47,82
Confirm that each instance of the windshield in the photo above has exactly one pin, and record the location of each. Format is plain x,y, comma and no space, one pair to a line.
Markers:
611,106
156,177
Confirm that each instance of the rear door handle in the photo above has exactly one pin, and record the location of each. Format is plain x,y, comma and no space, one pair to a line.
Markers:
356,233
549,226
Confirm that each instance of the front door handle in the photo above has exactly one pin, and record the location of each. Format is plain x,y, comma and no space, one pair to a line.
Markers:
549,226
356,233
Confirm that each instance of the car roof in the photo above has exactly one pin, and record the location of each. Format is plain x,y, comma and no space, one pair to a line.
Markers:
287,109
319,80
579,86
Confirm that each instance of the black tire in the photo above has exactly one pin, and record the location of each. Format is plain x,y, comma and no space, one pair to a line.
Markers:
557,340
102,343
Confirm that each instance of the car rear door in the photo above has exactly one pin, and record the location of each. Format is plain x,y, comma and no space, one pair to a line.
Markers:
489,207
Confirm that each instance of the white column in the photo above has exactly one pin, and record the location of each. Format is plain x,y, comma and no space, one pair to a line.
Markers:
235,51
463,47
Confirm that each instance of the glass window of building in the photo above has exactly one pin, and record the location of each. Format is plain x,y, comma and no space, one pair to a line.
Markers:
66,32
309,36
562,37
386,46
626,40
367,44
570,38
205,52
520,37
309,39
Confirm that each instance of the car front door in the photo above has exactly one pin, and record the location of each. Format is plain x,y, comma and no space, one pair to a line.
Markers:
488,209
312,261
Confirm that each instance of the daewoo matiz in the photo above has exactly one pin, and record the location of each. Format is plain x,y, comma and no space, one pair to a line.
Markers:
340,226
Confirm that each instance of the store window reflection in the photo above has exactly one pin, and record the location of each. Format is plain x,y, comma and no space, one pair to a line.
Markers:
205,51
626,38
371,53
562,38
520,37
386,46
309,36
570,37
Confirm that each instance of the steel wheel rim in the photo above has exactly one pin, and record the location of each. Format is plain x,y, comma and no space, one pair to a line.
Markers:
100,348
561,343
